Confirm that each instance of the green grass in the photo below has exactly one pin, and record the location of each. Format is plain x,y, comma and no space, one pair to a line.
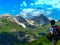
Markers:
9,27
40,41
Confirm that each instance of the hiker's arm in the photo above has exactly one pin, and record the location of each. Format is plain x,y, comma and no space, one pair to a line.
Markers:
51,31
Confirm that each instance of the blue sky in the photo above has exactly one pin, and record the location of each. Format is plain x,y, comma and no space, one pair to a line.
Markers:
47,7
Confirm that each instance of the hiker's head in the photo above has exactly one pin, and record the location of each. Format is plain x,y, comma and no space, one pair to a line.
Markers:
52,22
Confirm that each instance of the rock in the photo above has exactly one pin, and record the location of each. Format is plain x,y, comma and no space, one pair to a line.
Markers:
42,20
23,37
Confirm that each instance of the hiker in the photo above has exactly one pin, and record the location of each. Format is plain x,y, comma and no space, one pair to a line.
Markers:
52,33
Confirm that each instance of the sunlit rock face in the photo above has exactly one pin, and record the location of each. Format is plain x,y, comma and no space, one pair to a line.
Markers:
20,21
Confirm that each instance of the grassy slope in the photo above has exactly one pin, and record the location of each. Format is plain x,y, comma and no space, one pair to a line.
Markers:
6,37
42,40
9,26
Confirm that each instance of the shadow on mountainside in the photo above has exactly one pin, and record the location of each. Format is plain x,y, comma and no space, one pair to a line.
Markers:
14,38
10,39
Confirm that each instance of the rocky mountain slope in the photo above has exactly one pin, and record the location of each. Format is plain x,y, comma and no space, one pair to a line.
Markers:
41,20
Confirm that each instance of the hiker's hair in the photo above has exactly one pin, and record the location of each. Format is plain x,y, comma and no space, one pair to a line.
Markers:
52,22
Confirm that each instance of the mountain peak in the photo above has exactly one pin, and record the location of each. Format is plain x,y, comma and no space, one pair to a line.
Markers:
42,20
41,14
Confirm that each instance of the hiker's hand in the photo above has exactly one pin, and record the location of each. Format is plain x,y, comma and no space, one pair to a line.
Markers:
51,33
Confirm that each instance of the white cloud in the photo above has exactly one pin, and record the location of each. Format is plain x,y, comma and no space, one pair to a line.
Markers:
23,14
48,2
42,11
36,3
56,6
52,2
48,12
25,11
50,18
49,8
7,13
35,13
31,4
23,4
28,10
39,2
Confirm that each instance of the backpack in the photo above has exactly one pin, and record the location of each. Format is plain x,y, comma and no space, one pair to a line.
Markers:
56,31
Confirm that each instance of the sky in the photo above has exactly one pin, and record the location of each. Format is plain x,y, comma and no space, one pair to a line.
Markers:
50,8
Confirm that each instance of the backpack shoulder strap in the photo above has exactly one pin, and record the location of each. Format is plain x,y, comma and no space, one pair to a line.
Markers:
54,29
